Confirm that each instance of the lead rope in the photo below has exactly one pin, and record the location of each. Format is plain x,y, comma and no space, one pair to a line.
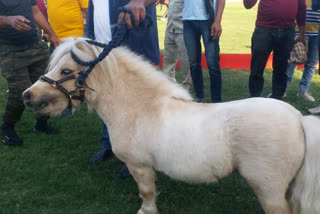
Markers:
118,37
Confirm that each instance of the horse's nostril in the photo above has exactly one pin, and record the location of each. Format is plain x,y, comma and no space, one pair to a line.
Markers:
26,96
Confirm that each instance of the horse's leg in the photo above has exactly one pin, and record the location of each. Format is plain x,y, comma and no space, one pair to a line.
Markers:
274,204
271,195
145,178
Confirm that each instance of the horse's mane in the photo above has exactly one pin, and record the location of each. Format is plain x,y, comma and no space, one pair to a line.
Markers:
135,63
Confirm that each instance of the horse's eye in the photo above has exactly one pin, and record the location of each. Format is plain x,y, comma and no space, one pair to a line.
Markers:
66,71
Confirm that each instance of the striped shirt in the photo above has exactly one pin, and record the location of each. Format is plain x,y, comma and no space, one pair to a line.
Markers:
312,21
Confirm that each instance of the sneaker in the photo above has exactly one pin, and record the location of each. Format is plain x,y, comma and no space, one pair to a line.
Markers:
9,136
102,155
306,96
46,129
314,110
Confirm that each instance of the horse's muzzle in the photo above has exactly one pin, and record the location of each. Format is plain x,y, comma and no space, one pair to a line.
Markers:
27,100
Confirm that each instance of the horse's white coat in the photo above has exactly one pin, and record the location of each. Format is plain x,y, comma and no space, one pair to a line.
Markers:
154,124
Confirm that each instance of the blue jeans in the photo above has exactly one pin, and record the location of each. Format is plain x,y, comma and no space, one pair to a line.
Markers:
264,40
192,32
105,138
309,66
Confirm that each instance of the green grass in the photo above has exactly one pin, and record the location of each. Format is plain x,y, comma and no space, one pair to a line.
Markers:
50,175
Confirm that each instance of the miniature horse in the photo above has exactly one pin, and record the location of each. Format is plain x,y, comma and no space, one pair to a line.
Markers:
155,125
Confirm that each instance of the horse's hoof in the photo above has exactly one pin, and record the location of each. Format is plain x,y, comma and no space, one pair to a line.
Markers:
141,211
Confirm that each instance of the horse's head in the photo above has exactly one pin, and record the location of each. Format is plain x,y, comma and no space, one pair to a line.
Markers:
57,91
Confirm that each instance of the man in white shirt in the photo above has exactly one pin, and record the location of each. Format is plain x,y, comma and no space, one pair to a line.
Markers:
103,18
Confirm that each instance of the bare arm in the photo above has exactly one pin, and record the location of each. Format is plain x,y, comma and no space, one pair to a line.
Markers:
84,13
249,3
301,37
301,20
216,28
43,24
138,7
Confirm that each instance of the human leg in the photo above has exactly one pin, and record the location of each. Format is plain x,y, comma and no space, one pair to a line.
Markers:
106,151
184,60
261,48
310,65
212,51
18,80
290,71
282,46
170,55
191,35
39,54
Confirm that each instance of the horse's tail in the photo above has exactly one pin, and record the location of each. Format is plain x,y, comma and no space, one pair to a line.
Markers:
304,192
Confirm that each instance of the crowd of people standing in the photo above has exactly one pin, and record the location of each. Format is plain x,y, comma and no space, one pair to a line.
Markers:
24,55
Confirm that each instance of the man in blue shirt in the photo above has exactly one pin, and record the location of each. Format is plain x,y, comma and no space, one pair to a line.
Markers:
202,18
142,41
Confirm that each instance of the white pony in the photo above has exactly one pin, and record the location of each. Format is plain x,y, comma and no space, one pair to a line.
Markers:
155,125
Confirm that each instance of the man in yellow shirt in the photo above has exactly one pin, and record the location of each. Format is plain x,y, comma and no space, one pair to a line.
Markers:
66,17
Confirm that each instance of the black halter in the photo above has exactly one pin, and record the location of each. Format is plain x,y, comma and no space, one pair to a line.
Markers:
118,38
69,94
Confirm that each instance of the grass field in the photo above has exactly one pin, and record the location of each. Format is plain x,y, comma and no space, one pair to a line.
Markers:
50,175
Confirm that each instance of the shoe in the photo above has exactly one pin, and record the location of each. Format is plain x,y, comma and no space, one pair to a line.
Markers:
284,95
46,129
124,172
101,156
306,96
9,136
314,110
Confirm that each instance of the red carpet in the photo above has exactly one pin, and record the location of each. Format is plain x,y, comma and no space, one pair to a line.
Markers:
232,61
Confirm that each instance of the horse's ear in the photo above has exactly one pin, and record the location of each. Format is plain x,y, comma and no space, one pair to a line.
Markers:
86,48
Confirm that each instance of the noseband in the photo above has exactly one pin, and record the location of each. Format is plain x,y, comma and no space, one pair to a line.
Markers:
69,94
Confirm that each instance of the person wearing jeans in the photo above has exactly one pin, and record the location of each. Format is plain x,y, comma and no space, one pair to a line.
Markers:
281,42
309,68
203,19
274,32
312,32
102,21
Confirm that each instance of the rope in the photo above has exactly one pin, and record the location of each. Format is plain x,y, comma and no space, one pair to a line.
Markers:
120,36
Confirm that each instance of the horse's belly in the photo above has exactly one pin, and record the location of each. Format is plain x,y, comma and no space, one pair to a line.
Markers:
196,161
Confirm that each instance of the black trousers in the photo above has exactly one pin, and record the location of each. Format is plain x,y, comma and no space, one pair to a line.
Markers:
21,66
265,40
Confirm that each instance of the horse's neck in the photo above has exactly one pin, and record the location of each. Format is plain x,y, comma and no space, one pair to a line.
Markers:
128,94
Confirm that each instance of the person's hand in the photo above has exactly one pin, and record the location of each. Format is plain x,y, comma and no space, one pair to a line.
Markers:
54,39
46,37
17,22
300,38
139,13
216,30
